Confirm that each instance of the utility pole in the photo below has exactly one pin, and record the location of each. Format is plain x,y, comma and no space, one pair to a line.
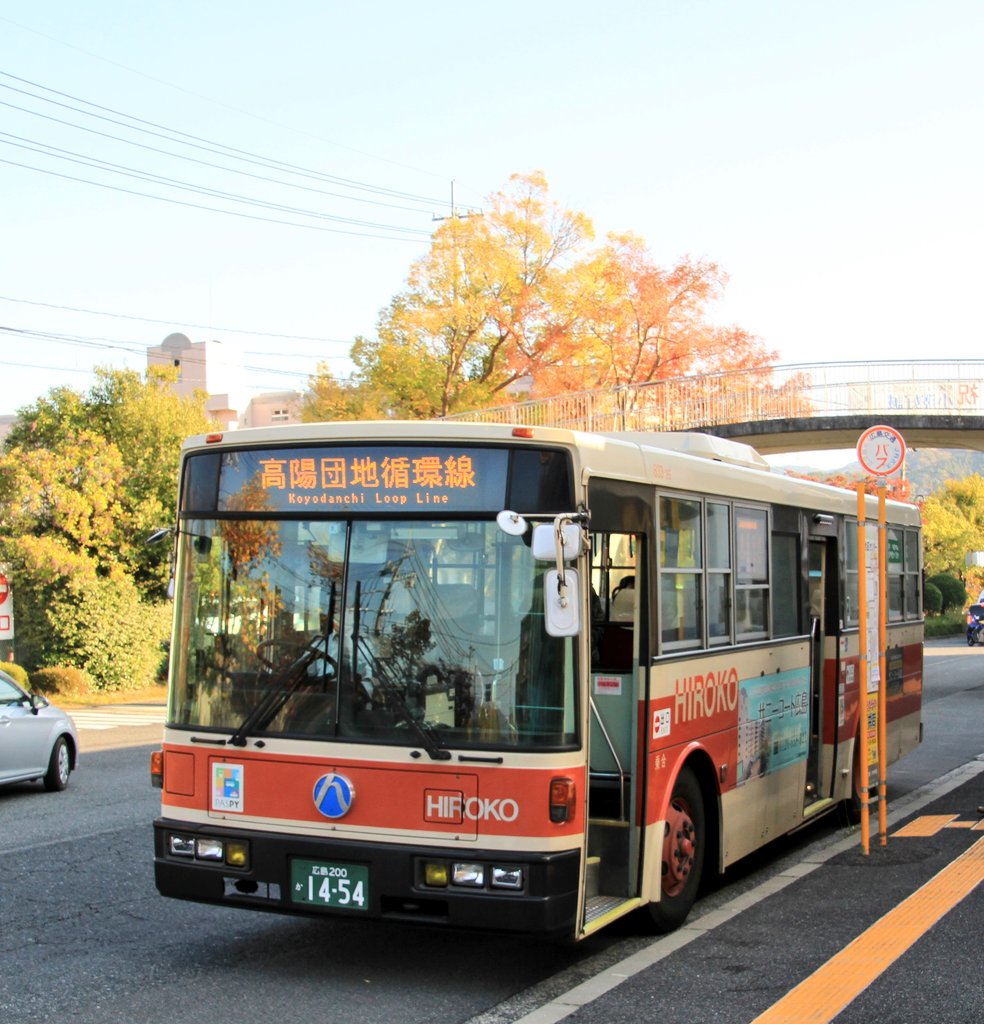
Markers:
455,215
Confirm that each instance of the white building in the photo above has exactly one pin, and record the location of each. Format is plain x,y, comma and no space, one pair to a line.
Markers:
204,366
272,408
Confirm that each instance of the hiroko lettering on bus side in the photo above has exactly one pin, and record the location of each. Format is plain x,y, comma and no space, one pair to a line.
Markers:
704,696
454,808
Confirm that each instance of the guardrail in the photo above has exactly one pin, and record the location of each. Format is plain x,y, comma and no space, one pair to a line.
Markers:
924,387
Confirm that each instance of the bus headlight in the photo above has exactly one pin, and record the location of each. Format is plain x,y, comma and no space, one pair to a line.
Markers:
468,874
234,852
181,846
209,849
507,877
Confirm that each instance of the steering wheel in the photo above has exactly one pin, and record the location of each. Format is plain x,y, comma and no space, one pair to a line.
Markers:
291,651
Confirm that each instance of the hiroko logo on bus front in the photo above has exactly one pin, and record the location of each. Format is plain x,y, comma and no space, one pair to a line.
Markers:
334,795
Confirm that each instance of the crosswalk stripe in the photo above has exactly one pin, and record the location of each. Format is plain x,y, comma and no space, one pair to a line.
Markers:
114,718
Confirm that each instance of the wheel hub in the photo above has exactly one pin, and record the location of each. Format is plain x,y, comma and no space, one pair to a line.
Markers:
679,843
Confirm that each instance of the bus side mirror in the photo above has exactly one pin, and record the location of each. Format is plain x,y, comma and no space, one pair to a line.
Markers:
546,537
561,603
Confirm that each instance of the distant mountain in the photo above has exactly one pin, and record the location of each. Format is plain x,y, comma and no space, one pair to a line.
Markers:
929,468
926,469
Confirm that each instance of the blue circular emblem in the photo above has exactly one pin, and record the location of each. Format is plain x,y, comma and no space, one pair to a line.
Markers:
334,795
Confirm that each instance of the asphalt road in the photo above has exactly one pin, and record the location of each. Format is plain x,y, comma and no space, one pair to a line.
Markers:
84,936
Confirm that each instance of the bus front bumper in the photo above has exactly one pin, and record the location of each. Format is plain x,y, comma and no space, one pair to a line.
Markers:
531,892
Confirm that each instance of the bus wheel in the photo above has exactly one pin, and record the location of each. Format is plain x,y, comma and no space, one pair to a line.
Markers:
684,841
852,805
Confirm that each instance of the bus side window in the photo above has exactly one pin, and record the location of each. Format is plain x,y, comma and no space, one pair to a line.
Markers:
613,601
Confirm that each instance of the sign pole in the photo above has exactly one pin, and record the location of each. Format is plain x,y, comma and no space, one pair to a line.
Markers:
881,451
6,619
863,674
882,665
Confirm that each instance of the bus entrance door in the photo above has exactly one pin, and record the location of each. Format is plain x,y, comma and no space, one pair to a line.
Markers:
612,867
819,765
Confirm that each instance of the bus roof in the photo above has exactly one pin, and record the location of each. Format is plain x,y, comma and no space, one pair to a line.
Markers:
675,461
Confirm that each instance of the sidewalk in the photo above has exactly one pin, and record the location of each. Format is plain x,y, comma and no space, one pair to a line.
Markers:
733,962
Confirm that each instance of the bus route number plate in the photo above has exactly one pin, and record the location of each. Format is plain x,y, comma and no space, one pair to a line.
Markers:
324,884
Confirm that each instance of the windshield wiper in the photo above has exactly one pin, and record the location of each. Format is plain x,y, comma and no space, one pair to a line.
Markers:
282,687
428,740
277,697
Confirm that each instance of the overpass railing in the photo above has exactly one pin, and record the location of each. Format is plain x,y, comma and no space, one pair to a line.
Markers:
819,390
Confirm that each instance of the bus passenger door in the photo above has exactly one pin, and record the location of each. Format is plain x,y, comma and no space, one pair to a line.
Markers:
613,702
823,613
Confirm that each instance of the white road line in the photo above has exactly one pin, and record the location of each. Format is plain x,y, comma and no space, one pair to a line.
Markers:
111,718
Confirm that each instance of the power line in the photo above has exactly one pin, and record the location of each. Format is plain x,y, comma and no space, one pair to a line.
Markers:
198,142
175,323
219,103
137,349
131,123
195,160
130,172
200,206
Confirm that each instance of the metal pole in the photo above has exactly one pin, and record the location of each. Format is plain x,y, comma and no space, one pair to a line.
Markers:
863,671
882,666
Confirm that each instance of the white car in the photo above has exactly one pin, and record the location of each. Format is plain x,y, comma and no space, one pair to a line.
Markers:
37,740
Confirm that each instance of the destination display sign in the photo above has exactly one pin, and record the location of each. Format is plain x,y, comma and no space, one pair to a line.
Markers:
371,479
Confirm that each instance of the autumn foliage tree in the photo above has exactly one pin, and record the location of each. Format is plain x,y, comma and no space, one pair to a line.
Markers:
953,527
84,478
520,294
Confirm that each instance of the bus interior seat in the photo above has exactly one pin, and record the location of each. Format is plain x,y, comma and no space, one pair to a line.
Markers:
623,600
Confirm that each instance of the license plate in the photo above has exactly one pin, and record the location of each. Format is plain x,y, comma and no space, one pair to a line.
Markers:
326,884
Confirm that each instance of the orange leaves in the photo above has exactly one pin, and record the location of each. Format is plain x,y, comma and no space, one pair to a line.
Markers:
517,294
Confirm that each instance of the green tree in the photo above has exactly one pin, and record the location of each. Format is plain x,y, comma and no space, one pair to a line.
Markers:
116,448
953,591
328,398
953,526
84,478
62,504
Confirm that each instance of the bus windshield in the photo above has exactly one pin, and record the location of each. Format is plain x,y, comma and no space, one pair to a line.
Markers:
397,632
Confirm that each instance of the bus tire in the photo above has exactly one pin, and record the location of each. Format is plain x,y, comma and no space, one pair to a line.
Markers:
852,805
682,860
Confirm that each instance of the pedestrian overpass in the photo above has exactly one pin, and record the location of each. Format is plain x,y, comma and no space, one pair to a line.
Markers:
781,409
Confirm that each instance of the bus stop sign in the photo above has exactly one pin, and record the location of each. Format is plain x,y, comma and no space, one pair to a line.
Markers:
6,611
881,450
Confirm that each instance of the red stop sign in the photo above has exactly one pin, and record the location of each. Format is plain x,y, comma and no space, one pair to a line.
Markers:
4,588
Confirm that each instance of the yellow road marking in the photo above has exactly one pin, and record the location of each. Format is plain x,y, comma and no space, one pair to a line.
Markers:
823,995
927,825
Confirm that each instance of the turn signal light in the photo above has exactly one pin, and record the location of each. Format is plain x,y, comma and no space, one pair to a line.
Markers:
237,853
157,769
436,874
563,797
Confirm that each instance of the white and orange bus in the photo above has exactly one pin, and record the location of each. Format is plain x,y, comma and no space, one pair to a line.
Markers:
508,677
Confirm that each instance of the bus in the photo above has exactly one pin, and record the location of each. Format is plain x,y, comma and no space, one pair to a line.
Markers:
515,678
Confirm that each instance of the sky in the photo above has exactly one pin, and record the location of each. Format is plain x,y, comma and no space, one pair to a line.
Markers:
828,157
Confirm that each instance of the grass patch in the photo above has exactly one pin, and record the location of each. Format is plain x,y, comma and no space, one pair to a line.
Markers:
950,624
101,697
